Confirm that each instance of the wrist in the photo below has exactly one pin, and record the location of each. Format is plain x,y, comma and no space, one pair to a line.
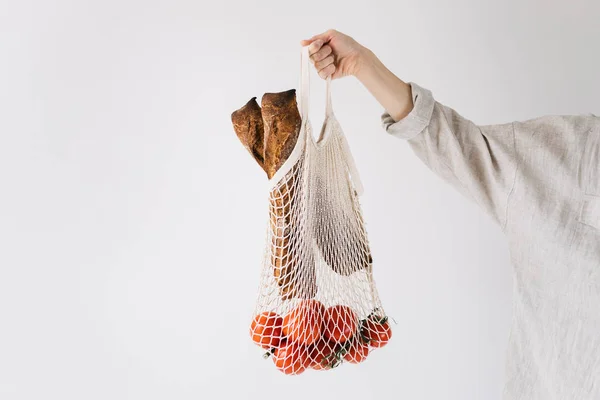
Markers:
390,91
366,63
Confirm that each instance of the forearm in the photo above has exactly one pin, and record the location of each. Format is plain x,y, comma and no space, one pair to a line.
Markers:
389,90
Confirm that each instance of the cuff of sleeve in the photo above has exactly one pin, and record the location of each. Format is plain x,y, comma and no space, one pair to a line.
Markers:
417,120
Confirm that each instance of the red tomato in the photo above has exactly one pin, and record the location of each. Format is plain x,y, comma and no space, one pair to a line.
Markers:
321,354
266,329
291,358
341,323
357,352
304,323
377,331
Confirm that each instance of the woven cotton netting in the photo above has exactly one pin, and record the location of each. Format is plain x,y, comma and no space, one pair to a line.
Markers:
318,306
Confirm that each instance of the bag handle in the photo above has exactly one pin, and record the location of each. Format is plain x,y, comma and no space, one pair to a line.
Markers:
304,100
305,86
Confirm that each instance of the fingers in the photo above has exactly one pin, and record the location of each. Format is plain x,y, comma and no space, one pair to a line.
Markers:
323,60
316,46
319,65
328,70
321,54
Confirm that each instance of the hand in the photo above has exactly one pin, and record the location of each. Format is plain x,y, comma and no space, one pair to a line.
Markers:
335,54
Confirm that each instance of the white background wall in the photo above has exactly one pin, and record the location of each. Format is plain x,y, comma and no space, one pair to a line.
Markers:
132,219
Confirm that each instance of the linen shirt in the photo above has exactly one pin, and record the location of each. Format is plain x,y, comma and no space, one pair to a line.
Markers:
539,180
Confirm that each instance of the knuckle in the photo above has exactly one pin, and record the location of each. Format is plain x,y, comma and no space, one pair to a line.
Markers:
314,47
322,53
323,63
325,72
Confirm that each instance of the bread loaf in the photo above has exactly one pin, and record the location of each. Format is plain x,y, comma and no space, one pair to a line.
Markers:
249,128
278,130
282,123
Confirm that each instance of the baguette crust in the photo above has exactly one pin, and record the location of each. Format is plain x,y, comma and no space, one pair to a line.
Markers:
282,123
249,128
270,134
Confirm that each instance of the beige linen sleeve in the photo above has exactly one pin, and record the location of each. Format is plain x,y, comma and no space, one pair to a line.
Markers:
479,161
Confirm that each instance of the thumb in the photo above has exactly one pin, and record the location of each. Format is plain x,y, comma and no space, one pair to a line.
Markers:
324,37
306,42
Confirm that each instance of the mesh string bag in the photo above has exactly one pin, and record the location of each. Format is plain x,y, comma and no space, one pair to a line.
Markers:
317,305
